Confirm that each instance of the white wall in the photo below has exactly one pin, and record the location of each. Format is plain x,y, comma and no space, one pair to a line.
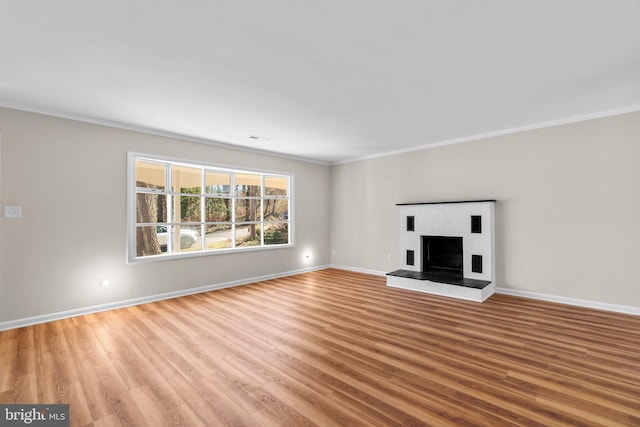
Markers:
70,179
567,216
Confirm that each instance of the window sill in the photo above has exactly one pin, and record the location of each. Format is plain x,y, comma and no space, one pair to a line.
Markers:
182,255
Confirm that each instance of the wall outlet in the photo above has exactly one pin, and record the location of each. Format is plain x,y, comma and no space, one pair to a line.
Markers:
13,212
104,284
388,257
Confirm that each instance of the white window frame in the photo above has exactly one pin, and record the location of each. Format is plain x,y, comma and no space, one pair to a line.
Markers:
133,157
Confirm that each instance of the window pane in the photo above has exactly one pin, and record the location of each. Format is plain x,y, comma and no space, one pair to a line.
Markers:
151,208
186,179
217,182
186,208
218,236
247,210
247,185
276,209
186,238
162,233
247,235
150,175
275,185
217,210
148,241
276,233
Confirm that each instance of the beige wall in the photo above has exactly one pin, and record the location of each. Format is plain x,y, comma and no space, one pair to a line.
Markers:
70,179
567,217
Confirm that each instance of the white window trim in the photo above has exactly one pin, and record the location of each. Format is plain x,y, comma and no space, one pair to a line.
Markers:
131,208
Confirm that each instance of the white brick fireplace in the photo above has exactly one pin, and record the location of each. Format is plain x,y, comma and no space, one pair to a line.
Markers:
448,248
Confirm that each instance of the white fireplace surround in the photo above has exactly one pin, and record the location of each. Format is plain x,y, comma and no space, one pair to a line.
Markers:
449,219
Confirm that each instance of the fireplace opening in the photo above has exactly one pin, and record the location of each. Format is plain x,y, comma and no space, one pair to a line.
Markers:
442,255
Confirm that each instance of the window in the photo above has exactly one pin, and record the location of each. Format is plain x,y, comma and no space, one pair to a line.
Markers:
183,209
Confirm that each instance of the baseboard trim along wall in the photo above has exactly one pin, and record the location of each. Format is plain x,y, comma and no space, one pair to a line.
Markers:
359,270
19,323
571,301
533,295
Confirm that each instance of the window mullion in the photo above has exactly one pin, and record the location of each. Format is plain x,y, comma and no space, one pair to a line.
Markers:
262,209
203,227
170,201
169,195
232,194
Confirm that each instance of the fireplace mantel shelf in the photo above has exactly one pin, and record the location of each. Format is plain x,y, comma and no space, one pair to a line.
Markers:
445,203
417,275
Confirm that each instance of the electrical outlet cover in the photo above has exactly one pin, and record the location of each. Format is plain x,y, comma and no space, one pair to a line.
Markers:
13,211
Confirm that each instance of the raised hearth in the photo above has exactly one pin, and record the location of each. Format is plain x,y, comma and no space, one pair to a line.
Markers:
439,278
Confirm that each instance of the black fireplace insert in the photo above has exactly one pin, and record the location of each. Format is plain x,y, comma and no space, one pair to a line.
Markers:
442,255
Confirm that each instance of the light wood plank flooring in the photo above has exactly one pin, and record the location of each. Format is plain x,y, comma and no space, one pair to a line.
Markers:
331,348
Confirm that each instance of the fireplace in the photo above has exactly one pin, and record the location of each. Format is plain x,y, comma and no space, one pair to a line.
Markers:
442,255
447,249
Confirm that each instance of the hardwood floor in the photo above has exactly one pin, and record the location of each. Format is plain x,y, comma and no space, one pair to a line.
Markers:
331,348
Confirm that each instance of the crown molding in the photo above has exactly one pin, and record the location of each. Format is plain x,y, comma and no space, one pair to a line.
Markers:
519,129
157,132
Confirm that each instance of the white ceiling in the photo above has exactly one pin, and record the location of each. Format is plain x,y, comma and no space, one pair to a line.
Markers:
323,80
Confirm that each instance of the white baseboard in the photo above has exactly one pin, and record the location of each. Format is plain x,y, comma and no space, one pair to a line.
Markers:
571,301
526,294
358,270
19,323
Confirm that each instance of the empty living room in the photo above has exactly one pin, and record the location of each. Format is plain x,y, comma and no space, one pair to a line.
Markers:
320,213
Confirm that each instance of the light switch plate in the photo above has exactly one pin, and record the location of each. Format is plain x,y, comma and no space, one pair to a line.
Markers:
13,211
